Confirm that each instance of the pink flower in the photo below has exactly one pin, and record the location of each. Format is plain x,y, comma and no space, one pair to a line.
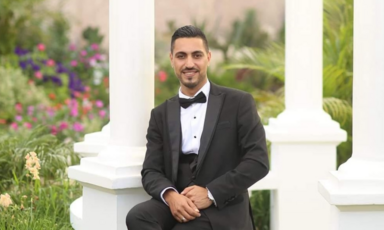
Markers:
162,76
18,107
53,130
50,112
63,125
74,112
78,127
38,75
83,53
90,116
99,104
41,47
87,88
27,125
73,63
95,46
18,118
50,62
14,125
102,113
34,119
72,47
92,61
97,56
30,110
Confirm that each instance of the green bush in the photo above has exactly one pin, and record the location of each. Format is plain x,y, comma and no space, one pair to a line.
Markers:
15,89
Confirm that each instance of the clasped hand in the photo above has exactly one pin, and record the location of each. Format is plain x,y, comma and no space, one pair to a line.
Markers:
185,206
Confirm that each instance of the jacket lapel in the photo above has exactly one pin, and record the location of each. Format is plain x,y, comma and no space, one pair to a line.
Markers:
215,102
174,128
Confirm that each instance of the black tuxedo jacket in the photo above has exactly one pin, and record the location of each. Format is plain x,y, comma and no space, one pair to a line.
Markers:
232,155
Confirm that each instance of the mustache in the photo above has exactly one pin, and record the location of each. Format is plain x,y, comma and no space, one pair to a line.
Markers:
189,69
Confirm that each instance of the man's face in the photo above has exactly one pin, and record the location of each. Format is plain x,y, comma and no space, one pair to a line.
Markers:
190,61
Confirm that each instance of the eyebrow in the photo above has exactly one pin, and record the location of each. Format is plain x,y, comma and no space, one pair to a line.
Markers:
194,52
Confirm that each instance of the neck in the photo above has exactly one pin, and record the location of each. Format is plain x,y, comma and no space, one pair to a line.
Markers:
192,91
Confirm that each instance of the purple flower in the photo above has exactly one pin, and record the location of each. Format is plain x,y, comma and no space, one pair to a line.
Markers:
35,67
61,69
20,52
78,127
23,64
57,80
75,84
18,118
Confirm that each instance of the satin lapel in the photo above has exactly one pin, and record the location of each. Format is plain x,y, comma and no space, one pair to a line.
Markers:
215,102
174,128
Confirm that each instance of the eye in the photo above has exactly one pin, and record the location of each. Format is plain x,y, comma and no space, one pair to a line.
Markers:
180,56
198,55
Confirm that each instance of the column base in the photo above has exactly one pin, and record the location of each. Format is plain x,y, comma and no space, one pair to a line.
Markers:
111,187
93,143
358,182
352,217
304,126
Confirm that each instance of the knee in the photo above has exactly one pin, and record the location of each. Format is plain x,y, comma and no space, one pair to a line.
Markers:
133,215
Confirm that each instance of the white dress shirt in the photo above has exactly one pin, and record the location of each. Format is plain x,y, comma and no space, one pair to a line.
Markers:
192,124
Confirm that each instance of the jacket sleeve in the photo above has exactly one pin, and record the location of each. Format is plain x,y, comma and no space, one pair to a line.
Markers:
254,163
153,176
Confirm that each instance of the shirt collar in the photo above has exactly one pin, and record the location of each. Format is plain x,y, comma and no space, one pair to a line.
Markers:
205,89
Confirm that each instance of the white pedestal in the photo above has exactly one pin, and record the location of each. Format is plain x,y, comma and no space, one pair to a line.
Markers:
303,151
356,192
112,186
93,142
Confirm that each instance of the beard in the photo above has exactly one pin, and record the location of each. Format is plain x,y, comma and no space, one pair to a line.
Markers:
192,84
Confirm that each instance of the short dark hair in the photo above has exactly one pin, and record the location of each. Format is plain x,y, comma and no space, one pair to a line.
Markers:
189,32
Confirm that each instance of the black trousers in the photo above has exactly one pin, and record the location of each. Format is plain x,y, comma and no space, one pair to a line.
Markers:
155,215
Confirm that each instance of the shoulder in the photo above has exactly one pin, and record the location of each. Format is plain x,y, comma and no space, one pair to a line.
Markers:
163,106
231,93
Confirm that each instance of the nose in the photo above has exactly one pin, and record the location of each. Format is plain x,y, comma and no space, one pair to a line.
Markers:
189,62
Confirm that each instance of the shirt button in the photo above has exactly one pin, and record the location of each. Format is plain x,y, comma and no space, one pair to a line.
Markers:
194,117
194,136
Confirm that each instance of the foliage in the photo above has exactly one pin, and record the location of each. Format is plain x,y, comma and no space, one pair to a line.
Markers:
52,152
15,89
35,201
92,35
26,23
260,201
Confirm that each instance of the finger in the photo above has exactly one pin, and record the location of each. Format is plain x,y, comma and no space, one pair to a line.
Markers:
186,216
186,190
192,210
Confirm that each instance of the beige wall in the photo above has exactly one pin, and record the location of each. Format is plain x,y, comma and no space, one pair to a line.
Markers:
219,14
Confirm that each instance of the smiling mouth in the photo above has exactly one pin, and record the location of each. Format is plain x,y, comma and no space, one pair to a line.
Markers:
190,73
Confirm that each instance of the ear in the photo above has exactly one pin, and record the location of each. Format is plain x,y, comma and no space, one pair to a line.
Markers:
209,54
171,59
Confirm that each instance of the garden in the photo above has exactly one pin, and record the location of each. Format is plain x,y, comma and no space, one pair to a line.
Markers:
53,92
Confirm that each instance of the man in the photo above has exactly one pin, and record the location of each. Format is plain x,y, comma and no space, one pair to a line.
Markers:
205,147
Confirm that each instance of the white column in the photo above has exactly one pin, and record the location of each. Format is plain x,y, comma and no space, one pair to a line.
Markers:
356,190
303,137
112,180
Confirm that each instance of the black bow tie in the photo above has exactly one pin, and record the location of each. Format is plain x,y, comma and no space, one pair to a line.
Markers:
200,98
